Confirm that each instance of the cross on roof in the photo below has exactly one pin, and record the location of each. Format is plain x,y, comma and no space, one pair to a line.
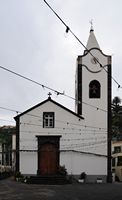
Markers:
49,94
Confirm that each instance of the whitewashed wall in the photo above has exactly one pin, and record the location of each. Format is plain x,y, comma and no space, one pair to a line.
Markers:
74,136
76,163
13,142
94,117
28,162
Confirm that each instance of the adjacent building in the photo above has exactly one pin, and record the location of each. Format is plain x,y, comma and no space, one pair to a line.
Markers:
117,160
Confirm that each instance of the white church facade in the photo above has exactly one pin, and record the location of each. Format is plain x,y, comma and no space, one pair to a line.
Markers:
50,135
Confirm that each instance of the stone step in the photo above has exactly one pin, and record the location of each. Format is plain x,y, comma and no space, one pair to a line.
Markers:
47,179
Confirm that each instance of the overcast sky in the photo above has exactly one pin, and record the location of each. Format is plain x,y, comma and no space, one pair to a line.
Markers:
33,43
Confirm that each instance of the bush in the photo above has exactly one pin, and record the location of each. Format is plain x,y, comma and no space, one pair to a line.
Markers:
18,174
83,175
62,170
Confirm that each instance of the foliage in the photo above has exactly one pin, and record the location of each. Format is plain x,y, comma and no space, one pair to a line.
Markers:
18,174
116,101
6,134
62,170
116,118
83,175
6,143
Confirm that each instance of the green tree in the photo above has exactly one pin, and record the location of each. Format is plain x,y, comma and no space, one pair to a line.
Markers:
6,143
6,134
117,118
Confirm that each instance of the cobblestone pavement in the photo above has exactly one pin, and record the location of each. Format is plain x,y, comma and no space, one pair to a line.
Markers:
11,190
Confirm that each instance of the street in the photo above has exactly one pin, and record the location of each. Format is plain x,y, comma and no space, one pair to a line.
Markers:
11,190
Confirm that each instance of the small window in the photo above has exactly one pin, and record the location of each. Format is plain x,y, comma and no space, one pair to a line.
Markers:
113,162
94,89
117,149
119,163
48,120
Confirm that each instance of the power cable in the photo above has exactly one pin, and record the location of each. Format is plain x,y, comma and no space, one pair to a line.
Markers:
65,122
29,79
68,29
67,128
24,140
62,150
49,88
8,109
73,145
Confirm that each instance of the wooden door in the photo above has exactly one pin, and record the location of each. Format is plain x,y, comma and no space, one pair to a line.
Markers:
48,159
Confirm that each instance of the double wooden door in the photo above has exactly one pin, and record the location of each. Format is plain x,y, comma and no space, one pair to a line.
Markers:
48,159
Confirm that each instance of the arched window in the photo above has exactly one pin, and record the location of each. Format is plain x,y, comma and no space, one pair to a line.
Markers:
94,89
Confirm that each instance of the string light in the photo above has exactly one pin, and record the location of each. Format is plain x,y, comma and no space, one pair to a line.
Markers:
43,86
67,147
49,88
88,132
21,76
69,30
61,121
64,150
24,140
69,128
8,109
84,144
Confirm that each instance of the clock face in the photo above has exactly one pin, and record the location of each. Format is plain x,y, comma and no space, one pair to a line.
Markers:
94,60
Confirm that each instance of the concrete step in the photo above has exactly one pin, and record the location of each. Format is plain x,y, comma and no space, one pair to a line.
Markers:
47,179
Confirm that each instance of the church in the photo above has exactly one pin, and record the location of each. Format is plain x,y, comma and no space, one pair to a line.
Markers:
50,135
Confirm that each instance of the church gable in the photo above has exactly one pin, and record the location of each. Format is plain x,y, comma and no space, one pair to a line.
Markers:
48,103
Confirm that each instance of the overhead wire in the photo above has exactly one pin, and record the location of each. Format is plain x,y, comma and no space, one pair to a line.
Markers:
8,109
84,139
61,93
33,81
84,144
64,134
67,128
73,145
68,29
61,150
44,86
61,121
51,89
66,131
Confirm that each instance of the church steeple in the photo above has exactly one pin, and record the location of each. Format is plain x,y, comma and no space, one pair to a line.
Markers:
92,42
93,93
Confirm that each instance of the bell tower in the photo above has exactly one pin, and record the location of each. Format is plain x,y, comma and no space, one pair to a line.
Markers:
93,91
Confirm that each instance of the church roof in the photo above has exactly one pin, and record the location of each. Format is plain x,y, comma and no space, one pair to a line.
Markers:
48,100
92,42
